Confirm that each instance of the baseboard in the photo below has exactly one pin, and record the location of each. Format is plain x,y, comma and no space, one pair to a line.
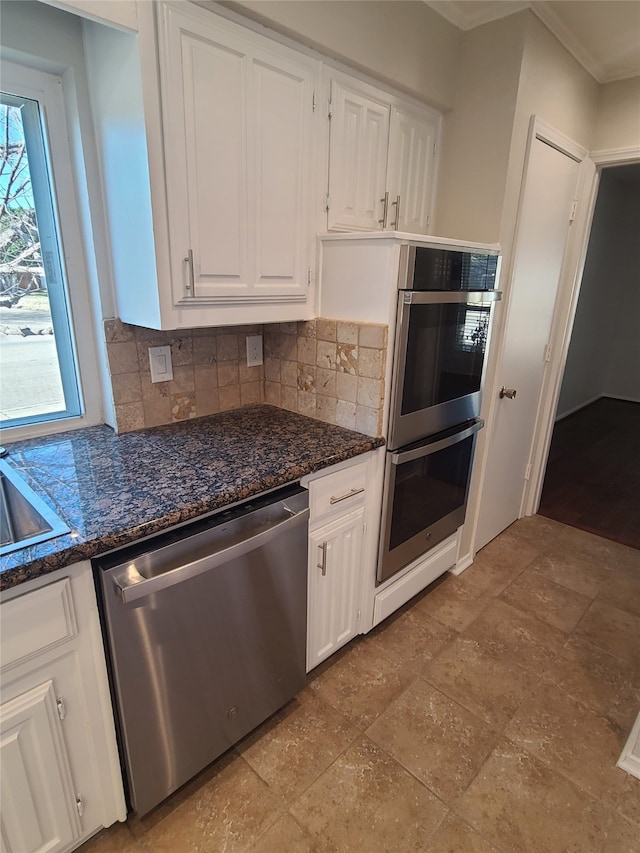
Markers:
594,400
630,757
578,408
462,564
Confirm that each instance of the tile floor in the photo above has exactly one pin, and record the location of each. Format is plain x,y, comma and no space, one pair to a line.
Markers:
484,717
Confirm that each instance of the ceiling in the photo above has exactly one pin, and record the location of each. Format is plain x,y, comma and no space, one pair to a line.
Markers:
603,35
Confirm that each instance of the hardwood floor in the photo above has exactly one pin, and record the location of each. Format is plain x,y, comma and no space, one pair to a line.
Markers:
593,474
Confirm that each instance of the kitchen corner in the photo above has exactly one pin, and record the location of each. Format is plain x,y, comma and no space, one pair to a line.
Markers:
114,489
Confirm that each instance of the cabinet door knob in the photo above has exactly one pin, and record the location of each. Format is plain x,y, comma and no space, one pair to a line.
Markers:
508,392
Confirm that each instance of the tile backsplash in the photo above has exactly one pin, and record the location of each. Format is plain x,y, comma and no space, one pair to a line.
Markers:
327,369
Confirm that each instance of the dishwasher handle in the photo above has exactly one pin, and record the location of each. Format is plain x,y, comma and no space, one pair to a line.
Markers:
130,585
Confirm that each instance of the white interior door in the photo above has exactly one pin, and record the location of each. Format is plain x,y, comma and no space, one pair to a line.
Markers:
545,219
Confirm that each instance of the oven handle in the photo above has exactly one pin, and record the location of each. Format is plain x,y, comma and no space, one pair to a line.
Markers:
130,584
427,449
435,297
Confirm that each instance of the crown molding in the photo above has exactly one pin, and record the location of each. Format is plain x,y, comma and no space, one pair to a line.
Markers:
543,9
483,13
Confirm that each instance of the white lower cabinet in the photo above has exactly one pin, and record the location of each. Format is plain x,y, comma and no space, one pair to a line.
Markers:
340,556
60,774
335,565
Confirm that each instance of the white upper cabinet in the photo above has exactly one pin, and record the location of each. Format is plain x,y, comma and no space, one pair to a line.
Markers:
382,160
238,114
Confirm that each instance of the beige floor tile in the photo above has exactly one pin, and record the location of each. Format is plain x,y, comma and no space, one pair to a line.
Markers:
546,600
524,806
411,639
575,740
598,679
228,813
285,836
611,555
489,685
622,836
628,803
507,631
115,839
535,530
612,630
456,836
366,802
623,592
435,738
297,744
580,575
453,602
360,684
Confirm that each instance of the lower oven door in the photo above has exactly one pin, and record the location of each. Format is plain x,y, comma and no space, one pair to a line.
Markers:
425,495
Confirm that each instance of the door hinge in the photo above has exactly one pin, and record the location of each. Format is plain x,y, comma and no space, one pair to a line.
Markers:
364,527
428,220
547,353
435,148
62,710
358,616
574,209
308,276
313,103
527,471
79,805
329,110
326,202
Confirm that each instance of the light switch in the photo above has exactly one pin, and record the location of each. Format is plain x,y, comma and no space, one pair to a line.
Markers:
160,364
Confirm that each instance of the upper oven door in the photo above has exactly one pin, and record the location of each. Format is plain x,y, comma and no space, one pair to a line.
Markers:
439,360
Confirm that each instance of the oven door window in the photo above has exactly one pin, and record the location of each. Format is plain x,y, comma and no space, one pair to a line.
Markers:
446,344
428,489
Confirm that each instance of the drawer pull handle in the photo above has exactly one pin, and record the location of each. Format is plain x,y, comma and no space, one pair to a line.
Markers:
323,564
334,500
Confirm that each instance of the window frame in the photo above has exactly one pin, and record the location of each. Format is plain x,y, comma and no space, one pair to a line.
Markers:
49,91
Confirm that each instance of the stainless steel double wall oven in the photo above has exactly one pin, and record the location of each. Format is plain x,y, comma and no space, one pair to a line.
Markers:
443,314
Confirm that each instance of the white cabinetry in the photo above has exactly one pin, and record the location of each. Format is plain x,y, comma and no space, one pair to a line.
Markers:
238,142
338,508
205,131
60,773
382,160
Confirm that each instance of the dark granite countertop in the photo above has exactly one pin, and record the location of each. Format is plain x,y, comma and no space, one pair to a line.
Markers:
113,489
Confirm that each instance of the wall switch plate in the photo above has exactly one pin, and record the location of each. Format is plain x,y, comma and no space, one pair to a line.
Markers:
160,364
254,350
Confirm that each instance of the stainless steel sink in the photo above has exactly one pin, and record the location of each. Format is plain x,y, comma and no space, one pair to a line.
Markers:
25,519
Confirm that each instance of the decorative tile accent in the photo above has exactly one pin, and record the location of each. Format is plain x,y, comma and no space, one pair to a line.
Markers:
337,369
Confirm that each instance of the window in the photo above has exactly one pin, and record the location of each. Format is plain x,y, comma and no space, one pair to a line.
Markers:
40,375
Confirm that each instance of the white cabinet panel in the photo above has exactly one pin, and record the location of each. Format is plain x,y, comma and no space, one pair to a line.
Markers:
411,179
38,803
357,159
335,563
280,145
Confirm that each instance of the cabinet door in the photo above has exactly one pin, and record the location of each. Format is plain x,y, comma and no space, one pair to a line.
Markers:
411,175
238,141
38,801
335,558
358,143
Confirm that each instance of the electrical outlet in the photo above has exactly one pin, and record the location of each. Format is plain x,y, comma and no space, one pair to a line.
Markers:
254,350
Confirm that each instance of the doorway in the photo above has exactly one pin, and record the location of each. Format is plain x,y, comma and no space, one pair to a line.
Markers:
593,471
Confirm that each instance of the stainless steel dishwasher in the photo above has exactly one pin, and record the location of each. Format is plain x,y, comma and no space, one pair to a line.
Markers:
206,630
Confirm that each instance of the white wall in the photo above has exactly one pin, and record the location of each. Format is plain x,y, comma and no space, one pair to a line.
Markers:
618,124
604,354
404,43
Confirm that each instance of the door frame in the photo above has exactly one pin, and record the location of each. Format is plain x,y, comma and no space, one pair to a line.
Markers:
564,315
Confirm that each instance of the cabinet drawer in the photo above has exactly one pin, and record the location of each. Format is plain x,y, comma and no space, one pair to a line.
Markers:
337,493
32,622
